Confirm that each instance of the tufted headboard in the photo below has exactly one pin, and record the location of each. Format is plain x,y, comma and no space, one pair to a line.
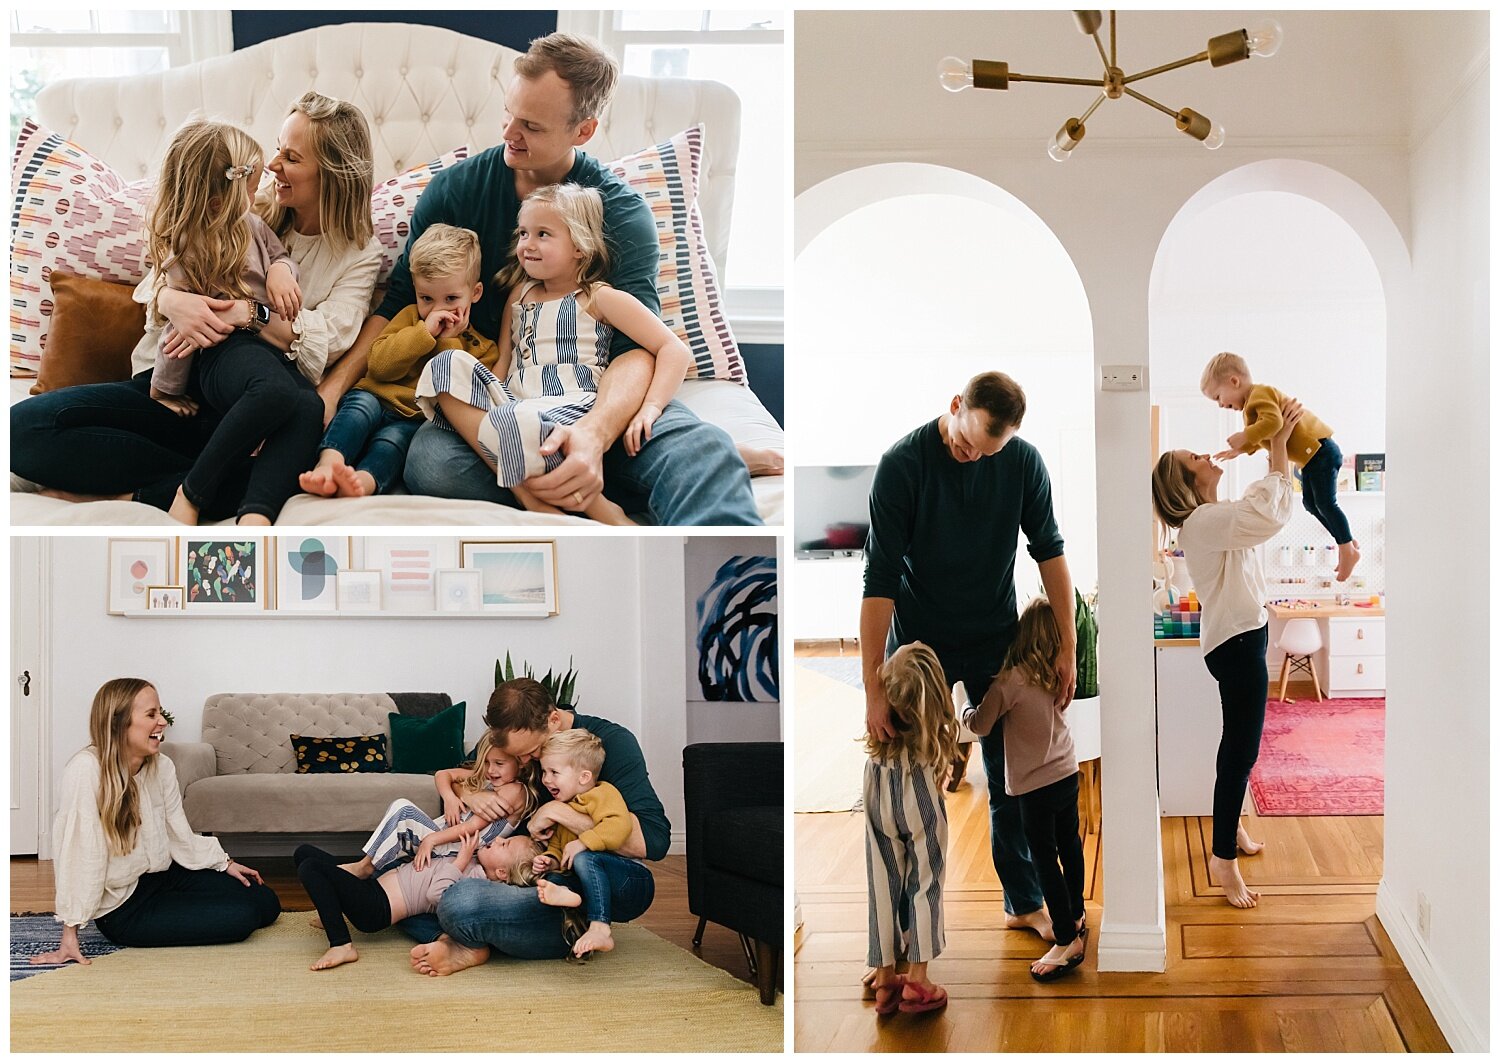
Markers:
250,732
423,89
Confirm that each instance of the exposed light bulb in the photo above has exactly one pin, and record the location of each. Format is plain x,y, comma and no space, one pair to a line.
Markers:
1215,138
1264,38
1065,140
955,74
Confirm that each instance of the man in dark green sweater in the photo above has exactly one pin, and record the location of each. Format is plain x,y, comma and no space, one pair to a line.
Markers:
688,473
947,508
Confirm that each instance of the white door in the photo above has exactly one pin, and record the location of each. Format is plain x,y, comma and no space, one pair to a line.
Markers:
28,692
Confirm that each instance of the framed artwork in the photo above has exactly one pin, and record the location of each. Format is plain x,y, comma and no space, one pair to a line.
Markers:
358,591
518,578
307,567
136,565
459,590
168,598
223,575
408,566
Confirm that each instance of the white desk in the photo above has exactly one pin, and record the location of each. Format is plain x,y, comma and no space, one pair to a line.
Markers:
1189,724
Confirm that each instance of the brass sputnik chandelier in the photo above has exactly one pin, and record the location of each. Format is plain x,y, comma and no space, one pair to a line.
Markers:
957,75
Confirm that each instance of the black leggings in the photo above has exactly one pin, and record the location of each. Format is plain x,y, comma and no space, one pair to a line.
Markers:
1239,666
1050,819
182,907
336,894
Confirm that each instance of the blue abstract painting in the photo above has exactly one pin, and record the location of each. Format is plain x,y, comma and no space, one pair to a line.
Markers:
737,635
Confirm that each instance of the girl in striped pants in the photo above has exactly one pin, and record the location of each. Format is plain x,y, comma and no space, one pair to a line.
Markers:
906,831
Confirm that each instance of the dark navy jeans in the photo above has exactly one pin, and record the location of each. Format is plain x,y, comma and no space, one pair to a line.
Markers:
614,888
1320,477
181,907
371,436
1239,666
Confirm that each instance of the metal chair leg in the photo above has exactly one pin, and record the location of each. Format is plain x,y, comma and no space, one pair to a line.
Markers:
749,948
698,937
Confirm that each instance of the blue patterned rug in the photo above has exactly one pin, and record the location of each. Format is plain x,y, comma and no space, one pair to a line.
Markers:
845,670
32,935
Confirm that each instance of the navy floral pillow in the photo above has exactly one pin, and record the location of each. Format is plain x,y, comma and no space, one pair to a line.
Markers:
362,753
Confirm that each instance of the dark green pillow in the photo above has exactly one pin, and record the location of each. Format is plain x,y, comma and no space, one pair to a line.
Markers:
421,747
361,753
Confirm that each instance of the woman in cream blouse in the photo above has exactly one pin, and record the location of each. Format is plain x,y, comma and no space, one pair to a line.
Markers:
125,854
1219,540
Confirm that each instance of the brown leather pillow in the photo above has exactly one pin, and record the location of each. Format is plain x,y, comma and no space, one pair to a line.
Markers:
95,326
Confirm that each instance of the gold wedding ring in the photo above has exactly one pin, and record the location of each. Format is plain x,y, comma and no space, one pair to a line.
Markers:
577,499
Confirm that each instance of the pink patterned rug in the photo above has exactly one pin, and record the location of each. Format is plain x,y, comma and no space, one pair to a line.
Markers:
1321,758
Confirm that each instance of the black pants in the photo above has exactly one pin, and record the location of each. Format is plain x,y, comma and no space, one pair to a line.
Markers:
182,907
1239,666
1050,818
336,894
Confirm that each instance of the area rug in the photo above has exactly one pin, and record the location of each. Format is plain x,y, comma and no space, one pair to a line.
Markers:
647,995
32,935
1321,758
847,670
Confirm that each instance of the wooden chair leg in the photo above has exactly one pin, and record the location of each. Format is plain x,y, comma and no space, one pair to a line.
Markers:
1317,687
767,964
1286,662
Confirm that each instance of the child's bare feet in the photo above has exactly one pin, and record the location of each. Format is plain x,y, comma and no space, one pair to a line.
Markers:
319,479
353,483
1235,890
364,867
606,512
1038,920
181,405
762,462
530,502
1245,843
556,895
1348,558
596,938
183,511
336,957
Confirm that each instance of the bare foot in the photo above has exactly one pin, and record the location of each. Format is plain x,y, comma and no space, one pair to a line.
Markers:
74,496
1058,956
336,957
1038,920
1246,844
530,502
762,462
596,938
361,868
1235,890
319,479
558,896
183,511
353,483
181,405
254,520
446,956
1348,558
606,512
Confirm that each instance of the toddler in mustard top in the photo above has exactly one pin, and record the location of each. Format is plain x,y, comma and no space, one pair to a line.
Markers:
1226,380
605,885
363,451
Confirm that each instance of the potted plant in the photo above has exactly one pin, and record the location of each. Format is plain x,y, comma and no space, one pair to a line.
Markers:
560,686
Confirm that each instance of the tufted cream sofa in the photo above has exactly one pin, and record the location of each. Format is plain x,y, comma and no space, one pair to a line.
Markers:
242,777
425,90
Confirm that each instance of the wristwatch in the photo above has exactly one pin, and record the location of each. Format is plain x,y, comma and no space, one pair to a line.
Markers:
260,317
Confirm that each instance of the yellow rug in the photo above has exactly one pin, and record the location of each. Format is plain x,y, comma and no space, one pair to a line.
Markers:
647,995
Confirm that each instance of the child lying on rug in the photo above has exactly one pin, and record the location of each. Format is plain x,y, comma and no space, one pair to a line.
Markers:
602,882
376,904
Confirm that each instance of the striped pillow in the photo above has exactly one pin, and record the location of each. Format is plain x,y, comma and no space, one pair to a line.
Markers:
667,176
392,203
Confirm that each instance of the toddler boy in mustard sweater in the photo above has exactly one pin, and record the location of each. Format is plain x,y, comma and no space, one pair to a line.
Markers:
1226,380
363,451
602,882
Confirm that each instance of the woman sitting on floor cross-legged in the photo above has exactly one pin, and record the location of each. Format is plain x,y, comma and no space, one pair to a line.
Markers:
125,854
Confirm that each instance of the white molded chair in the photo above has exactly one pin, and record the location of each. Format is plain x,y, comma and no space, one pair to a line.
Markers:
1300,639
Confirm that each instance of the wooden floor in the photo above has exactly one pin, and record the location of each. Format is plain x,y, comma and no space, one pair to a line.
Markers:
31,890
1309,969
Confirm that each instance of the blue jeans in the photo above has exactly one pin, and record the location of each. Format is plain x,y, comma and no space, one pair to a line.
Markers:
615,889
1320,478
371,437
688,473
509,919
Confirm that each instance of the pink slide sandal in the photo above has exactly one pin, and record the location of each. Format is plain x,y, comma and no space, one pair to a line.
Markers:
918,998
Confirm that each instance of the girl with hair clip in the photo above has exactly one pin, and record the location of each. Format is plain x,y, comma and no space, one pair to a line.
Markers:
906,830
1041,770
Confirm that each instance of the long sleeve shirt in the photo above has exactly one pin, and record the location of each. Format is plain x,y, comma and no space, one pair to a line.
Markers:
92,881
625,770
1038,745
1263,420
606,807
403,348
1219,541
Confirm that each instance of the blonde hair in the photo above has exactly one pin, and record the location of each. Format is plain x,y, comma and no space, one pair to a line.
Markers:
582,212
921,712
1221,367
589,70
1174,490
1034,650
119,797
582,748
340,144
521,873
196,222
477,779
445,251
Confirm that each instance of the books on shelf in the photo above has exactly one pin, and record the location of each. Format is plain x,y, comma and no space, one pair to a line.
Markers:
1369,471
1346,479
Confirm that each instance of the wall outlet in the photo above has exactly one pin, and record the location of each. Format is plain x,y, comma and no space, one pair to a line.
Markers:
1424,916
1122,377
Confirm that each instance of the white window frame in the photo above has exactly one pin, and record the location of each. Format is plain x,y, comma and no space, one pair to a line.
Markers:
200,35
757,314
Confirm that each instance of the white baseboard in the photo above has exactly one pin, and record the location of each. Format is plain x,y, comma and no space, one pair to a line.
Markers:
678,845
1132,947
1453,1019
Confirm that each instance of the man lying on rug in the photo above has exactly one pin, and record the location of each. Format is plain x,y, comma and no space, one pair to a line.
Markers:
475,916
125,854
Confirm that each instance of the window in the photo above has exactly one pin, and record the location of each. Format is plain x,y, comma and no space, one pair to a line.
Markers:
744,50
49,45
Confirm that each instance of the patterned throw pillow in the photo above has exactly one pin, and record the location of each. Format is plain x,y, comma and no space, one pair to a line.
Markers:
667,176
71,213
392,203
361,753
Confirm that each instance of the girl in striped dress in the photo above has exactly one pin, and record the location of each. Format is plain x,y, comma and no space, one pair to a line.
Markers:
906,831
560,317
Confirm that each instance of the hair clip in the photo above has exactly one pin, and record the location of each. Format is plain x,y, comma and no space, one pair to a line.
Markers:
234,173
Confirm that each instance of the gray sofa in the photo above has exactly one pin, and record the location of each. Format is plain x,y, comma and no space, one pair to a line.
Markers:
242,778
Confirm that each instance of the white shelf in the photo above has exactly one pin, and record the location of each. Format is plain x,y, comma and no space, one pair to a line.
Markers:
1360,494
295,614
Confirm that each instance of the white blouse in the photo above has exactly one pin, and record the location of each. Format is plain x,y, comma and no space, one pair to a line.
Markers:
91,881
1219,540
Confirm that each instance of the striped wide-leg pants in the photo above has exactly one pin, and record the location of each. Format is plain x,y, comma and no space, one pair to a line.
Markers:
906,841
402,829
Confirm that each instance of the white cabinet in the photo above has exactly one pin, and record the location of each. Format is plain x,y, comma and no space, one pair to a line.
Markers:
1356,656
826,596
1189,724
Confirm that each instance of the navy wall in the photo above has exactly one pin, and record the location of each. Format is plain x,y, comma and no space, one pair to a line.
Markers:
513,29
765,366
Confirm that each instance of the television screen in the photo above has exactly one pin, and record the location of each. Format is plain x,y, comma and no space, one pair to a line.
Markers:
833,509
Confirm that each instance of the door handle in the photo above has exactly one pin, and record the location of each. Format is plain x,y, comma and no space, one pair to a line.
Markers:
25,680
1359,669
